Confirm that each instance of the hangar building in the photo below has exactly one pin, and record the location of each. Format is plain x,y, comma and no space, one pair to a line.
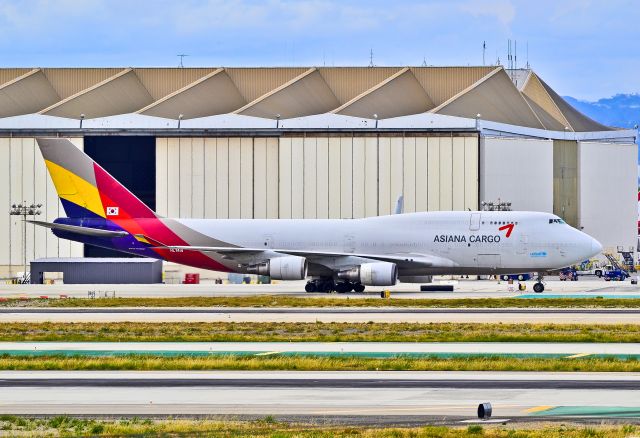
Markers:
317,142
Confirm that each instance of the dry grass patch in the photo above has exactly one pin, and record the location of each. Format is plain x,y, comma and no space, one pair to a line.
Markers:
269,427
316,332
314,363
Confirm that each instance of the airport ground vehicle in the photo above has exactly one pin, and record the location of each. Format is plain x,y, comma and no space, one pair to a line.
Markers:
339,254
568,274
616,275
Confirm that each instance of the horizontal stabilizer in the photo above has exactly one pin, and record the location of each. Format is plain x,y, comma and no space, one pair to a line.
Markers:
85,231
149,241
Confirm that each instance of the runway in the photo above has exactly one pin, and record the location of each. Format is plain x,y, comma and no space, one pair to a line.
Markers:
321,314
326,349
320,393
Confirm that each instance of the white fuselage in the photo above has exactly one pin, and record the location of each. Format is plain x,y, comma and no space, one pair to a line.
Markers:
475,242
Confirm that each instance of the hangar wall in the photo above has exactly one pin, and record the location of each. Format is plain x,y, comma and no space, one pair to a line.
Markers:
23,177
315,176
518,170
607,193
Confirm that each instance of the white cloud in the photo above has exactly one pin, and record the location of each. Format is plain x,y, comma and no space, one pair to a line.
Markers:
501,10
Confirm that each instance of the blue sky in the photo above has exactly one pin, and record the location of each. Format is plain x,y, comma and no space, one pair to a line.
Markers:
586,49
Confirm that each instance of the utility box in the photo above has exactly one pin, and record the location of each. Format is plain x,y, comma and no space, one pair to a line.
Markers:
98,270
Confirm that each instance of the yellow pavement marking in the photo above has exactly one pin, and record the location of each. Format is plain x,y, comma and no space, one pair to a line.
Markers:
538,409
420,408
578,355
267,353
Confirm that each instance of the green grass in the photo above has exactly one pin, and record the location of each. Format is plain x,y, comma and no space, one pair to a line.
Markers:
312,363
269,427
288,301
315,332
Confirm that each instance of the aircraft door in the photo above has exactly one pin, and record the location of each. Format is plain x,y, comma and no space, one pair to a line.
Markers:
474,222
489,261
523,244
349,243
268,241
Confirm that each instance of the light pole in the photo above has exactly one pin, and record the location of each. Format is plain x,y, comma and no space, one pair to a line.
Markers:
25,210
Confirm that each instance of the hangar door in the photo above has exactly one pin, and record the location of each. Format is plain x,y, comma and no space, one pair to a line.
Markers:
315,176
132,161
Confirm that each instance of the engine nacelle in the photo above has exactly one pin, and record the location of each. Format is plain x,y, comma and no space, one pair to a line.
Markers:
372,274
282,268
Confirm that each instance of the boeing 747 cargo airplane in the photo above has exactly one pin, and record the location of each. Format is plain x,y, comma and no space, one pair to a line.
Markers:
338,254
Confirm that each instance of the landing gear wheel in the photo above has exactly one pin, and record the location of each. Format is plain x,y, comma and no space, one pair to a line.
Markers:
311,287
326,286
538,288
343,287
358,287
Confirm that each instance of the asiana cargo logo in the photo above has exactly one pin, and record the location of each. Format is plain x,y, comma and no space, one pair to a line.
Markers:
113,211
461,238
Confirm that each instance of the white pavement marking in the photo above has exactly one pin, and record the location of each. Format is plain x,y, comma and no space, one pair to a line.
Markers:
571,350
315,375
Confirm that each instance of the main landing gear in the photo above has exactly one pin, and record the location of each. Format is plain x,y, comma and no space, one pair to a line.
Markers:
539,286
328,285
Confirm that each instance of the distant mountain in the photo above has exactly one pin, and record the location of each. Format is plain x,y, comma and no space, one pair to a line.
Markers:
621,110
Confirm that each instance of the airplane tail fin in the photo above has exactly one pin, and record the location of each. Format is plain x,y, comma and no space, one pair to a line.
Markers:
86,189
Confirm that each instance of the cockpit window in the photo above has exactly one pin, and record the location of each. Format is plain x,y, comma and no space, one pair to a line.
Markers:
556,221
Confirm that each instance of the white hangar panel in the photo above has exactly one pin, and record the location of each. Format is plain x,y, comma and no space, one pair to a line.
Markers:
210,182
310,177
607,190
24,178
314,177
197,177
517,170
185,169
322,175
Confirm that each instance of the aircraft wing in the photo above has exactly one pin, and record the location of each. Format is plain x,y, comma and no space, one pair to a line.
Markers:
424,260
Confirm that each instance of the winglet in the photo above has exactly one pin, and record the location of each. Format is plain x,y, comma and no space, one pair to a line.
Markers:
399,205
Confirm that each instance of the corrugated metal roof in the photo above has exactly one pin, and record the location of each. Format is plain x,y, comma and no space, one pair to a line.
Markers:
382,100
290,92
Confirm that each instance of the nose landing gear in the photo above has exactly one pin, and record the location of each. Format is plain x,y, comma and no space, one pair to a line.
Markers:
539,286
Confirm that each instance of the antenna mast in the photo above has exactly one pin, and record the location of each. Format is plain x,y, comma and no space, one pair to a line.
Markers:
484,50
370,57
181,56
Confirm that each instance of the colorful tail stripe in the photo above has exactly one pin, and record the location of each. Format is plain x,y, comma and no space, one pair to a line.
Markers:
87,191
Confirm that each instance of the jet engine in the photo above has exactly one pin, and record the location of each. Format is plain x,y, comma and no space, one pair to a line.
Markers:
372,274
282,268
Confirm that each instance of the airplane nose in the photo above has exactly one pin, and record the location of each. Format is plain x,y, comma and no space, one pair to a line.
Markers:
596,247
